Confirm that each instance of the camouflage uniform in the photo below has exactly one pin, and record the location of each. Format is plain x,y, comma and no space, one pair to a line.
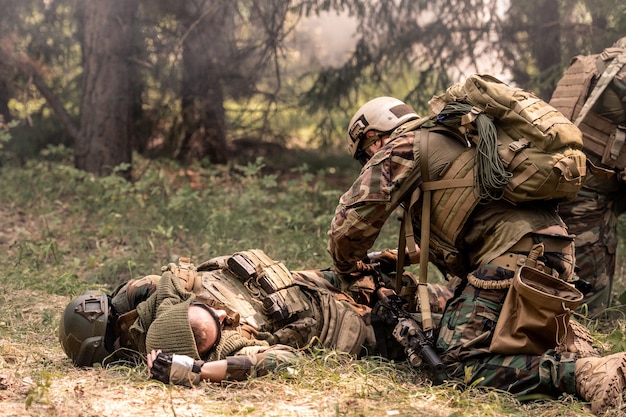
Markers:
491,231
592,216
163,323
253,342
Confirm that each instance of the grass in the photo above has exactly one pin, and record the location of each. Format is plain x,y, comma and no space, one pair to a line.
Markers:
63,231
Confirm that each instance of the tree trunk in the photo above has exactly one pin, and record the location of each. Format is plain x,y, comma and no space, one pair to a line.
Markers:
204,119
5,95
104,140
545,44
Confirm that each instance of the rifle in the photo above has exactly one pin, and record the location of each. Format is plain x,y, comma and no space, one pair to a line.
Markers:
418,346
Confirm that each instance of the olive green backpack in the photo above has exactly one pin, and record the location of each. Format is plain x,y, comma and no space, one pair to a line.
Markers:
525,149
520,148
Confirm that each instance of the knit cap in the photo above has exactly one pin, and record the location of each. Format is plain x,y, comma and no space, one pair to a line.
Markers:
171,332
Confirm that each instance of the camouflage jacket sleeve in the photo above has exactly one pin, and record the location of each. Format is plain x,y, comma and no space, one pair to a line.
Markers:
364,208
253,361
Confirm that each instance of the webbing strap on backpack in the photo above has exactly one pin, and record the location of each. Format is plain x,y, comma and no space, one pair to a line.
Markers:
407,234
409,196
427,319
406,240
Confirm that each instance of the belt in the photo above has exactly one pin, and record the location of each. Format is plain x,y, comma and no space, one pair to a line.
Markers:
512,261
551,243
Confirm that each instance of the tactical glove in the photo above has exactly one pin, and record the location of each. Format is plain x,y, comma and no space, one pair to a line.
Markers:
359,270
362,268
176,369
387,260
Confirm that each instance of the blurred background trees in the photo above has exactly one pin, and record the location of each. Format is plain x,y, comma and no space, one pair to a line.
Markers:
200,80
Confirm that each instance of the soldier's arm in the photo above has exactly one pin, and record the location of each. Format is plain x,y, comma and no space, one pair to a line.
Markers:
184,370
242,367
364,209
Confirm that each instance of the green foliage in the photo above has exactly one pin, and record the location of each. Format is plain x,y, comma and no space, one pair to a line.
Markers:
40,392
82,231
617,338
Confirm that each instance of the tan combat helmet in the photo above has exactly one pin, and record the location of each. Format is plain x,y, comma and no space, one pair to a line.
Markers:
381,114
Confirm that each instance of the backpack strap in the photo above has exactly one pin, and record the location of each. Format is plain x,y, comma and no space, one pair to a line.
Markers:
605,79
427,319
410,125
406,239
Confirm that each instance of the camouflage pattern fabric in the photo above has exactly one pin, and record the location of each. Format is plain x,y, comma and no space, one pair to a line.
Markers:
354,228
438,297
128,295
465,335
592,216
360,292
467,323
257,361
363,209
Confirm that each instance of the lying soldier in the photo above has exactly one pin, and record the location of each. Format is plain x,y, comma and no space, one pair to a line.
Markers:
236,316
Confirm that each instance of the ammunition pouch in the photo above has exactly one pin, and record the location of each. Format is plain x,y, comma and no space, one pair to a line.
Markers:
604,140
271,283
283,306
187,273
260,274
339,325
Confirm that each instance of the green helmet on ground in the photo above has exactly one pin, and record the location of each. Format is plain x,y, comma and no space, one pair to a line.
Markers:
83,328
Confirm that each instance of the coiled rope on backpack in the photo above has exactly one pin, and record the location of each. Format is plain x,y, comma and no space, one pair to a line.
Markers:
492,177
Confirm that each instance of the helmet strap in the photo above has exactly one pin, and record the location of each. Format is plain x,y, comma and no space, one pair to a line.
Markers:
369,141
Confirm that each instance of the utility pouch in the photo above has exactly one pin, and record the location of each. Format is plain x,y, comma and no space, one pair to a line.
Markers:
187,273
242,267
283,306
260,274
535,314
604,140
122,329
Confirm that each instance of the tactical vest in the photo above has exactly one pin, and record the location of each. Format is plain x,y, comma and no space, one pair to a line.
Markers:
453,199
270,301
261,290
601,137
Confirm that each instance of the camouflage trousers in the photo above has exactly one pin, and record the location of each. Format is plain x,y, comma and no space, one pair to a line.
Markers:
465,334
592,217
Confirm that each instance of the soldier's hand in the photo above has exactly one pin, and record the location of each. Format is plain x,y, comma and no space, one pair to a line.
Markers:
175,369
159,366
387,259
360,269
385,293
363,268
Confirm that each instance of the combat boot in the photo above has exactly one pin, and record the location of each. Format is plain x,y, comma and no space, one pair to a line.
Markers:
601,381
